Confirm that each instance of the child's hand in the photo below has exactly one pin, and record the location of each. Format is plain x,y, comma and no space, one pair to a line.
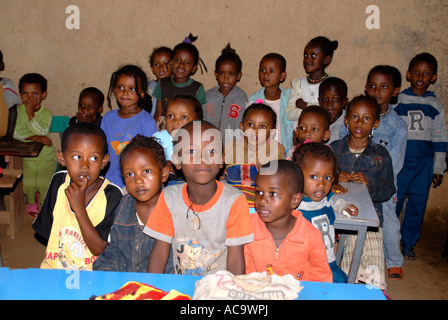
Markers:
31,102
77,195
359,177
437,180
344,177
42,139
351,211
301,104
338,189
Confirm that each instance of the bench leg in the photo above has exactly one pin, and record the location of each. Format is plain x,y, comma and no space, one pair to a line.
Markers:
354,265
17,211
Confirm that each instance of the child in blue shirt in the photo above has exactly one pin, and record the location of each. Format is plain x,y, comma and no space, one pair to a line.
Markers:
426,148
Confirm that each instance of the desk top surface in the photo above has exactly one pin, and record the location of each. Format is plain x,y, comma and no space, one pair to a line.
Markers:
21,149
33,284
359,194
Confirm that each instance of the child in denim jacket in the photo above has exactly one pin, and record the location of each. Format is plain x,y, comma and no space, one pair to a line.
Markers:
144,170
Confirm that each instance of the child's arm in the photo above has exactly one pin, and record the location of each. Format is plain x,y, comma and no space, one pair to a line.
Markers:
76,196
158,257
235,259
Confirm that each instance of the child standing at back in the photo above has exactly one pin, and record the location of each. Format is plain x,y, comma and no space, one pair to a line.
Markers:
184,64
285,242
363,161
160,62
144,170
207,222
90,107
79,206
128,84
319,205
333,98
271,73
34,123
426,147
226,101
317,56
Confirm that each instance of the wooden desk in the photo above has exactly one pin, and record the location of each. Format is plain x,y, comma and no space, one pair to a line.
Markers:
16,151
367,217
38,284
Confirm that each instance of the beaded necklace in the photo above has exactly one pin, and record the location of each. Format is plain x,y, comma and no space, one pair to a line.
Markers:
317,80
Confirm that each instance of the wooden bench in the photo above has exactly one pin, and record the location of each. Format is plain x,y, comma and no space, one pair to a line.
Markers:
11,181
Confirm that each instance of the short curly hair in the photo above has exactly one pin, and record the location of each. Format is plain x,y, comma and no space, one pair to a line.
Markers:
314,150
149,144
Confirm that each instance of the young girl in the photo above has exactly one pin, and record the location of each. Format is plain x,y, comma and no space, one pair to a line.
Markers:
313,125
144,170
243,157
363,161
180,110
184,64
206,221
128,84
317,56
271,74
226,101
160,62
319,204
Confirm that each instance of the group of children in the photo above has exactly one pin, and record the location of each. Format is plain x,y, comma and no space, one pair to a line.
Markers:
199,181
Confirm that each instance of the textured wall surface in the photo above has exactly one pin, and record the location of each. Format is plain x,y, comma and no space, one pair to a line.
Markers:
34,38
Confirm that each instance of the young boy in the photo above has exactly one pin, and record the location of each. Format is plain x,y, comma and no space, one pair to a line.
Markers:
313,125
34,123
271,73
78,210
426,147
285,242
206,221
333,98
90,106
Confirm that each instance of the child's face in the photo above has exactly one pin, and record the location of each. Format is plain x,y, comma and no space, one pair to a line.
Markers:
179,113
83,158
421,77
183,65
318,177
32,92
331,100
270,74
257,126
200,157
314,127
381,87
126,93
88,108
161,66
142,175
314,58
227,76
361,119
274,199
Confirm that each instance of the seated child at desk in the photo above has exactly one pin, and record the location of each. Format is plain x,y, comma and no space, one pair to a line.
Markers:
79,207
90,106
319,204
34,123
207,222
144,170
363,161
284,241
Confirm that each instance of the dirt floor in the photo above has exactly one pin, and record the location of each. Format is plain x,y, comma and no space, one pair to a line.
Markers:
424,279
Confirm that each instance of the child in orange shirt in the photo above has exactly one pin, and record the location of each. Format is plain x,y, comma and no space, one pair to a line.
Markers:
284,241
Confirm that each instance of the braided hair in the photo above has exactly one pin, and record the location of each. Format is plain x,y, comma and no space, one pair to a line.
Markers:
141,84
188,45
229,54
